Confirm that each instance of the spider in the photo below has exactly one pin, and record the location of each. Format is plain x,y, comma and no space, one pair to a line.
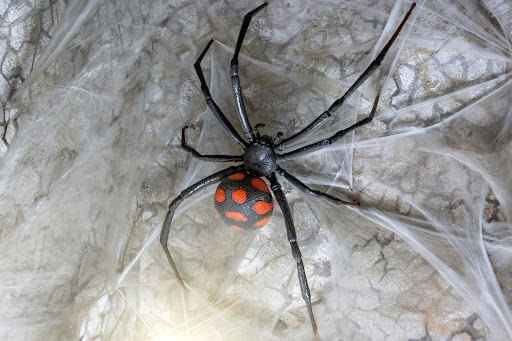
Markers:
242,198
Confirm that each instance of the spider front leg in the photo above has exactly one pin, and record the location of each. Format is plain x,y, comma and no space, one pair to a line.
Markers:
235,80
292,238
213,158
339,102
164,236
224,122
327,142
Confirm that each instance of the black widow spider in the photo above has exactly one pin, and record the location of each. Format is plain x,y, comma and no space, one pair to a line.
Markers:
242,198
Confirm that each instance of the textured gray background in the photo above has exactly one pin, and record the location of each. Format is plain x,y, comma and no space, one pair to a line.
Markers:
367,282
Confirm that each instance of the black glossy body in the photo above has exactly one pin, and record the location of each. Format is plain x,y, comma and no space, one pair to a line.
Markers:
260,158
262,155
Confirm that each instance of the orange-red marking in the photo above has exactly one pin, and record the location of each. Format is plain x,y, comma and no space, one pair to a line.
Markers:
217,213
236,216
262,221
237,176
239,196
237,228
262,207
220,196
260,184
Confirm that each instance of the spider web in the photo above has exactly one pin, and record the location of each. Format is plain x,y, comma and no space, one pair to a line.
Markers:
88,178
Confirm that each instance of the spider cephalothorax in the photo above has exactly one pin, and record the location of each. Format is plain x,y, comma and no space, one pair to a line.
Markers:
242,199
260,158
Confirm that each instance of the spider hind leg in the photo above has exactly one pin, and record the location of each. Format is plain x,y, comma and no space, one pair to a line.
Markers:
292,238
187,192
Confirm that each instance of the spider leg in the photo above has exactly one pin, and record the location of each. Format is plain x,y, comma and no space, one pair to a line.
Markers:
224,122
214,158
339,102
237,90
209,180
304,188
292,238
327,142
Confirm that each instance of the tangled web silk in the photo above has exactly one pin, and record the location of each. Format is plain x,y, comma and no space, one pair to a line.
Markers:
87,180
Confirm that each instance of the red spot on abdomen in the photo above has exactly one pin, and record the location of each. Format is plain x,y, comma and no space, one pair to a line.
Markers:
237,176
262,207
220,196
260,184
238,228
239,196
236,216
262,221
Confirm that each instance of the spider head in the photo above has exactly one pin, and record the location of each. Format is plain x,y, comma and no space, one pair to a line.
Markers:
259,157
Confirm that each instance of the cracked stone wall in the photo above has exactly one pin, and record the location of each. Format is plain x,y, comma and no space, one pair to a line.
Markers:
26,27
93,98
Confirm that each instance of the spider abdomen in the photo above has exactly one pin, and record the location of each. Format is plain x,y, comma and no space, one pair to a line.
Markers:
244,202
